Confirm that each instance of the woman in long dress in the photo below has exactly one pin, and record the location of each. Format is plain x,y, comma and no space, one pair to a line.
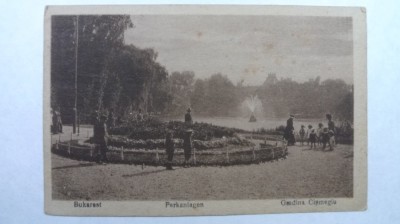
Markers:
289,131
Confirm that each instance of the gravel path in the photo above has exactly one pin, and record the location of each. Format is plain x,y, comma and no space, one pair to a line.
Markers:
305,173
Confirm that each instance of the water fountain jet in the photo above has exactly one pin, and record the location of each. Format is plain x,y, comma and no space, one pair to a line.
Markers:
252,103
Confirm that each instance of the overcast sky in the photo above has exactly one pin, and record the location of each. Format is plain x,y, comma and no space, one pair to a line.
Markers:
249,47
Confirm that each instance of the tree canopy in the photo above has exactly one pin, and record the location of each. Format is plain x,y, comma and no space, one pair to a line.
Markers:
124,78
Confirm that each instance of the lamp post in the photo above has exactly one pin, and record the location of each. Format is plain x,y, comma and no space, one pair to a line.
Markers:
75,109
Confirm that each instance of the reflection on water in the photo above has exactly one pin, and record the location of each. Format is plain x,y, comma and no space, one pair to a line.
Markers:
243,123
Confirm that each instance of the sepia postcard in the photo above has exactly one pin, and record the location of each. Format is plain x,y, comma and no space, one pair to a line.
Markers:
181,110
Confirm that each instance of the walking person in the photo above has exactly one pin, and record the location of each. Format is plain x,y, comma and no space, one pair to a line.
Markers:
331,130
188,117
325,138
169,147
289,131
187,147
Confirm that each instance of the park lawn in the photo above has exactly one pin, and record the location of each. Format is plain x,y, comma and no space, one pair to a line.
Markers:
305,173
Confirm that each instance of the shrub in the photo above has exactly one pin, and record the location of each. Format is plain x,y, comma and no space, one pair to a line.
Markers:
276,131
156,129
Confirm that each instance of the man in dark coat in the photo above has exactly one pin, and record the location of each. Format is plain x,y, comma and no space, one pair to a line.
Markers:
325,137
187,146
188,117
331,124
289,131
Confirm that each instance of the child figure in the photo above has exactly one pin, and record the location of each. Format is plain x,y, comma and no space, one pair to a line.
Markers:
319,133
302,134
308,133
313,139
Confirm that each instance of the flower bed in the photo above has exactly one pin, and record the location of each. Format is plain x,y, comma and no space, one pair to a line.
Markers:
223,156
123,141
262,137
143,142
156,129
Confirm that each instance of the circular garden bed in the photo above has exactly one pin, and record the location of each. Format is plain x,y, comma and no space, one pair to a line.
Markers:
143,143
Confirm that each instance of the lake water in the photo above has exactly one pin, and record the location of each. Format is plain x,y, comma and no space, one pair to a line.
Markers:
267,123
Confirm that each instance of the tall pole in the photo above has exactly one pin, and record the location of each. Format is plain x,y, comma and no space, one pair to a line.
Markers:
76,77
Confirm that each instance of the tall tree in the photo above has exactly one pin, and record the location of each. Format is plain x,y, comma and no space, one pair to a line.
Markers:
97,36
138,77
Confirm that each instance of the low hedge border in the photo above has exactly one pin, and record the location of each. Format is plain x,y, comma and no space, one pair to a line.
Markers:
151,144
159,158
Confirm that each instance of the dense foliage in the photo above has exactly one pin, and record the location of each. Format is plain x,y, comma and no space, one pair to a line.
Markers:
311,99
82,45
218,96
113,76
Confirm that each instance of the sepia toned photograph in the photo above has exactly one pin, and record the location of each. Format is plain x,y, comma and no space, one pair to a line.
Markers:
212,110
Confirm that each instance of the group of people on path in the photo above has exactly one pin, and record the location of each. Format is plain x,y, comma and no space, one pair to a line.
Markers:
322,136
